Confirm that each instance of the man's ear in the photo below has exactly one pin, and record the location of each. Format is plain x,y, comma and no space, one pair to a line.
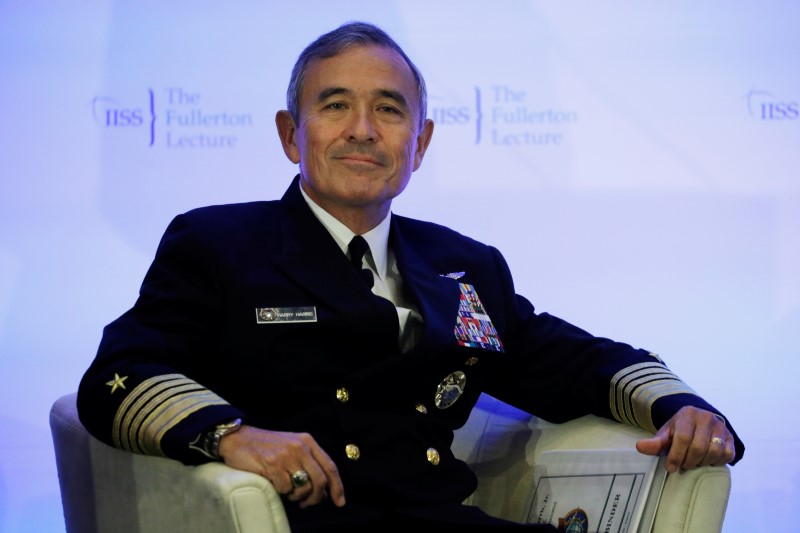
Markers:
287,131
423,140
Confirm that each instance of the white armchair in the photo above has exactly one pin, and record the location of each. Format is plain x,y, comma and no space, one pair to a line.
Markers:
108,490
503,445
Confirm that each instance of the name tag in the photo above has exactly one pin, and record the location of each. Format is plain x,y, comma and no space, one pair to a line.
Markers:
279,315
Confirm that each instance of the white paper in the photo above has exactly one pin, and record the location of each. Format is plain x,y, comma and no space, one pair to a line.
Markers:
607,491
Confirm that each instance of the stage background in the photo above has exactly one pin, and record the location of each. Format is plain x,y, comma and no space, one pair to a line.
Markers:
637,165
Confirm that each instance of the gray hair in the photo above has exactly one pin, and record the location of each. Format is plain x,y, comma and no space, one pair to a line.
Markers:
341,39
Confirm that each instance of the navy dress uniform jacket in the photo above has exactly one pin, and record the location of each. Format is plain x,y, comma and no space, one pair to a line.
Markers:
202,345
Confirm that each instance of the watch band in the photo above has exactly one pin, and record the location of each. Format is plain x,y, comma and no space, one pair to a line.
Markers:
208,442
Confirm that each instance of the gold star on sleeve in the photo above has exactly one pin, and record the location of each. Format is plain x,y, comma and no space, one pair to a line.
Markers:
117,382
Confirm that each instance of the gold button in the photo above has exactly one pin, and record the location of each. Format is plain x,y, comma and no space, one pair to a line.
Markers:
433,456
352,452
343,395
471,361
421,408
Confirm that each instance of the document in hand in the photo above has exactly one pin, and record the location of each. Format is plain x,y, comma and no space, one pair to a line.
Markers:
588,491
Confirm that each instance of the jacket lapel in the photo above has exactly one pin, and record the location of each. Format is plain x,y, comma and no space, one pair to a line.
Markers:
312,259
436,296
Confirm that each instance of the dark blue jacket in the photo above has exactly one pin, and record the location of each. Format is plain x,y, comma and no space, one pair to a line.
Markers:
200,347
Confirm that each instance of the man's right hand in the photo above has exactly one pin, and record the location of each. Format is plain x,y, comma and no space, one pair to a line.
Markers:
276,455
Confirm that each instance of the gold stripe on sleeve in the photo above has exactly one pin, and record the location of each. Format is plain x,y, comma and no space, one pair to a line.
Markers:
634,390
154,407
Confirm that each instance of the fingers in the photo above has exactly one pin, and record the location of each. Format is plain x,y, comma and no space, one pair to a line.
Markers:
697,438
331,475
303,489
658,444
297,466
726,448
324,480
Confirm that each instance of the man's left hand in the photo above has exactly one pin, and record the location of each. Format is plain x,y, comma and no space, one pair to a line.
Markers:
692,437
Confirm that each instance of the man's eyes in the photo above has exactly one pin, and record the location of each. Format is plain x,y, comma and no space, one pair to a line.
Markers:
339,106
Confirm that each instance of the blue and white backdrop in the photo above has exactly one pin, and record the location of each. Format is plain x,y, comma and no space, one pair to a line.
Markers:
638,166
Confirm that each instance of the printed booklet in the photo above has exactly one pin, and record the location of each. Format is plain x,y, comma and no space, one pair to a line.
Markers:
588,491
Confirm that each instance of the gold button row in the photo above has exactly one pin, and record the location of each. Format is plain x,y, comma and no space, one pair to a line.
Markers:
353,453
343,395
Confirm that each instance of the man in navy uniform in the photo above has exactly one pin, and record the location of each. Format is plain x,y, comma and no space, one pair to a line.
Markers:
333,347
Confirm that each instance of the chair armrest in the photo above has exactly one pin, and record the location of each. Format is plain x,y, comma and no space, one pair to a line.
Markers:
503,444
694,500
214,497
106,489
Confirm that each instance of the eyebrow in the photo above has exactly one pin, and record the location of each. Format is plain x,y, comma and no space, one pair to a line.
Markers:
397,96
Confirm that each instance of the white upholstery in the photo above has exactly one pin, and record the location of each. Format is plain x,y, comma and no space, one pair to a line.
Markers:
108,490
503,443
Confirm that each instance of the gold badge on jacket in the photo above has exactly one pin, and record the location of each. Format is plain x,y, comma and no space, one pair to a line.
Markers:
474,328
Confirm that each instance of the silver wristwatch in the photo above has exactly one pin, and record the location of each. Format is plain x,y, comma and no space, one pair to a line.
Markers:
209,441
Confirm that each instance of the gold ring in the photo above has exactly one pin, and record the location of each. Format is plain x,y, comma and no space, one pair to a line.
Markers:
717,440
299,478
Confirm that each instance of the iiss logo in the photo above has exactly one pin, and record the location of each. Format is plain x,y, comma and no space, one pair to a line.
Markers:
111,113
180,122
501,115
763,105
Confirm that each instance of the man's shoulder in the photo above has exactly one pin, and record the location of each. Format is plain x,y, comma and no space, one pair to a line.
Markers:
415,230
220,221
236,210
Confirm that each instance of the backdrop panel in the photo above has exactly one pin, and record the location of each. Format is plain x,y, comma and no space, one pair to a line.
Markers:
637,165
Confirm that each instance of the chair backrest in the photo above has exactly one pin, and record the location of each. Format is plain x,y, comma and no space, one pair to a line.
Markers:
73,461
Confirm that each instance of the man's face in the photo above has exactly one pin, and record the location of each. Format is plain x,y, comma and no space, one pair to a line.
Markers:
358,140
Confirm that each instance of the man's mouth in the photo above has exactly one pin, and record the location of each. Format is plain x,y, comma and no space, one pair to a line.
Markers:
361,157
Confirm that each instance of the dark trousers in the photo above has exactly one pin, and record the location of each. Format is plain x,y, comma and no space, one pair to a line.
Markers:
354,518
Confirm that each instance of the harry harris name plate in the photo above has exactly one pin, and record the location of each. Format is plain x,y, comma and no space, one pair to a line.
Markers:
280,315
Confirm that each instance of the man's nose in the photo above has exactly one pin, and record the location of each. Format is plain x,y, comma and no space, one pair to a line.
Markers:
361,127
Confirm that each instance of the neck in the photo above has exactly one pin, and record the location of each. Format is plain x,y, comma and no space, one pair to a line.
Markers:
359,219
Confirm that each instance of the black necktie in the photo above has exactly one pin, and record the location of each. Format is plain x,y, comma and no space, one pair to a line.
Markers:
357,248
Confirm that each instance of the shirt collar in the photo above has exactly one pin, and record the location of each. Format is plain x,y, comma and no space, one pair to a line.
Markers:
377,237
